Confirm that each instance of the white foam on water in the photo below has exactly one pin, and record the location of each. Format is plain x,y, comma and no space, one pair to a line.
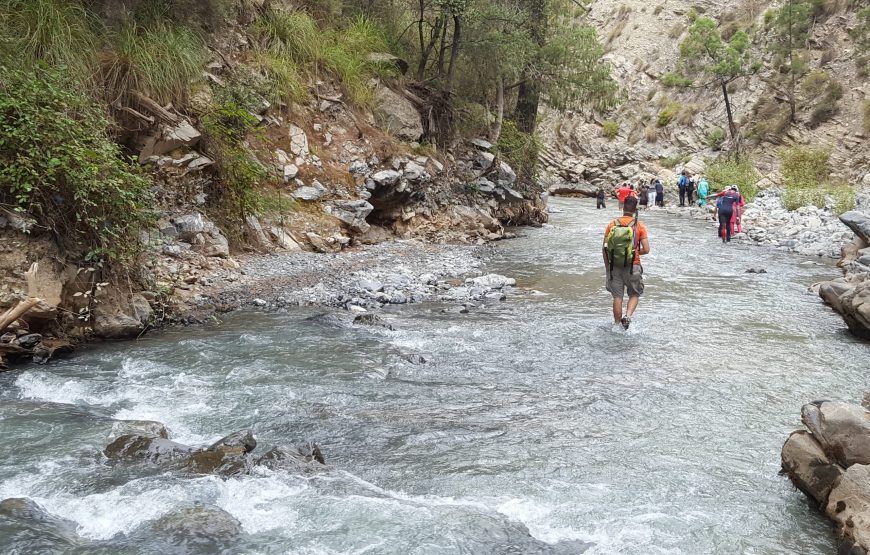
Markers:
100,516
262,503
538,518
43,386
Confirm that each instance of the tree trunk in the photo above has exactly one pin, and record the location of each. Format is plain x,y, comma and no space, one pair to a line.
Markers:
427,50
442,49
499,110
454,51
528,98
732,127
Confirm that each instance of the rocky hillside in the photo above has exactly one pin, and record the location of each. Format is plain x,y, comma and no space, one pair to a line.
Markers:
256,152
643,41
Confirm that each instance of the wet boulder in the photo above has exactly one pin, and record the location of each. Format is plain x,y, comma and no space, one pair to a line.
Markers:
218,462
236,443
28,528
283,457
199,529
146,428
849,506
143,448
858,222
806,464
841,429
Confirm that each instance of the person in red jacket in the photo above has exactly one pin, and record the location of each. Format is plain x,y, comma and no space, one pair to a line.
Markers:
624,192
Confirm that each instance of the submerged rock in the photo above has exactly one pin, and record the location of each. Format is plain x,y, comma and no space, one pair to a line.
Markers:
236,443
146,428
300,458
200,529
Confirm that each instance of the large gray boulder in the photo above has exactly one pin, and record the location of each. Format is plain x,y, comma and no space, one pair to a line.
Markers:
806,464
352,212
855,308
109,324
841,429
859,222
396,114
145,448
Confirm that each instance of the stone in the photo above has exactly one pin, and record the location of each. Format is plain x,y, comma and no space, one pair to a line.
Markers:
415,172
512,193
302,458
254,234
145,448
30,340
290,171
849,506
143,428
485,160
298,141
809,469
141,308
308,194
169,138
284,240
115,325
199,529
189,225
481,144
397,115
842,429
386,177
351,212
859,223
369,319
199,163
387,60
506,174
496,281
358,167
238,443
318,243
218,462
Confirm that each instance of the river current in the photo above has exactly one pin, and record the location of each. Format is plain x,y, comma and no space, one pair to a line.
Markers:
532,426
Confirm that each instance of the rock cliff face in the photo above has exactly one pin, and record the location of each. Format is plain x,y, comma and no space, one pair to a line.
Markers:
643,40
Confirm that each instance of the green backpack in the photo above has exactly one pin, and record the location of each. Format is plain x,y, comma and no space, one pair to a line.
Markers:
620,244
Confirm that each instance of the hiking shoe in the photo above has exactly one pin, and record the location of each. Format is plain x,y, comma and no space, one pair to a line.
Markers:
626,322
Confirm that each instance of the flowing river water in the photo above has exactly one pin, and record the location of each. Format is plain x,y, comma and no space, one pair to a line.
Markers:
531,427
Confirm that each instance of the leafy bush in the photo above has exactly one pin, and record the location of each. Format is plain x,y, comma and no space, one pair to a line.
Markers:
715,138
161,61
58,164
804,167
723,172
241,173
520,149
610,129
668,114
675,80
794,198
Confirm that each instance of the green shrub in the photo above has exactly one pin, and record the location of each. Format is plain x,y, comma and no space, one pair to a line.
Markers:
671,163
161,61
668,113
806,172
610,129
56,31
724,171
715,138
240,173
58,164
804,167
284,83
520,150
675,80
343,53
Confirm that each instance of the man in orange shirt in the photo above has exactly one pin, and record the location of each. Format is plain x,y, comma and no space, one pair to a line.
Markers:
625,241
624,192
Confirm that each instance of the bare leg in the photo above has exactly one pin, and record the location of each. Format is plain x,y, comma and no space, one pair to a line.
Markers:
632,305
617,309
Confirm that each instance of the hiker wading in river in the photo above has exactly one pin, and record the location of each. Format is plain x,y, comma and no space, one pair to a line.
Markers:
625,241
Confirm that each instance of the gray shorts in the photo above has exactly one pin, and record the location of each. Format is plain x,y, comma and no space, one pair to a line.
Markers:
623,279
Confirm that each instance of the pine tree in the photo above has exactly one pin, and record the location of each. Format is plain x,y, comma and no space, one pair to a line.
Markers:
791,28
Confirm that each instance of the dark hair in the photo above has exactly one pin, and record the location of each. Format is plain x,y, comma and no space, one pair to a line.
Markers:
630,204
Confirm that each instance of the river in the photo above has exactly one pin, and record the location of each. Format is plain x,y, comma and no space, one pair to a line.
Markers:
532,426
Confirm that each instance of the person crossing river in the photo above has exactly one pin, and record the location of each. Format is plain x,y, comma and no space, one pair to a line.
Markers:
625,241
729,205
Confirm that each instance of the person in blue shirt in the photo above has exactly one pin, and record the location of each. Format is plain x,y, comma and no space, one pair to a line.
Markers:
681,185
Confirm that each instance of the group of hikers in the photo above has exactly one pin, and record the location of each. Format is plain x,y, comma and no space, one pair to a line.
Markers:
626,239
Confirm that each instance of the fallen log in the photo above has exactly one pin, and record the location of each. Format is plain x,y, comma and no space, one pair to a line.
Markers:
17,312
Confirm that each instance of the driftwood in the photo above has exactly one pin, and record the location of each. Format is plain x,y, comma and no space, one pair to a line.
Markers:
17,312
134,113
152,106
